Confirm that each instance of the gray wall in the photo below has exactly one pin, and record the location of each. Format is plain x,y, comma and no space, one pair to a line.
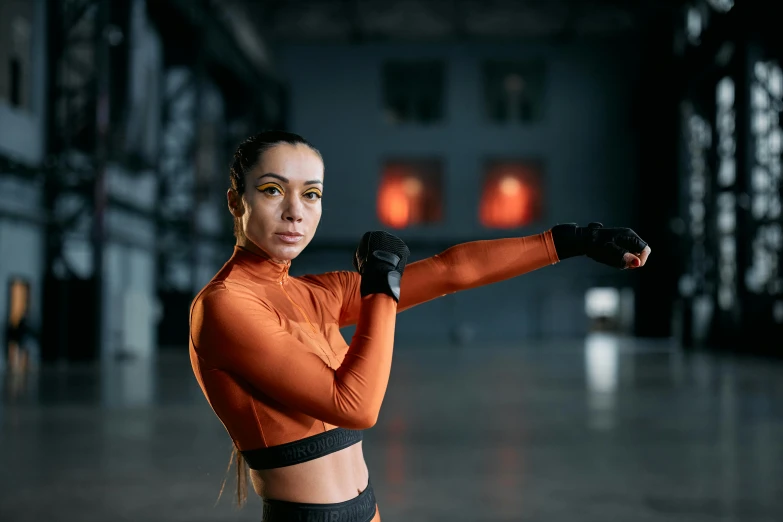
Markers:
21,139
584,141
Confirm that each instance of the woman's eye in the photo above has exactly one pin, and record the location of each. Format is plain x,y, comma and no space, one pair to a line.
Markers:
270,190
313,195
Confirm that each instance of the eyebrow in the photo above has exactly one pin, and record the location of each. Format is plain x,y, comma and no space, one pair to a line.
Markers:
285,180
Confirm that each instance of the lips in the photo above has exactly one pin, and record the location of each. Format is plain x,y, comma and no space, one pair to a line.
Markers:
290,237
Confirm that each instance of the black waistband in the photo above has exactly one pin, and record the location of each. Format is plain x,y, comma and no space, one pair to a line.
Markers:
302,450
359,509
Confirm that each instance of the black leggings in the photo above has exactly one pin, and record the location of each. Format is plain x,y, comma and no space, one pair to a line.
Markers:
359,509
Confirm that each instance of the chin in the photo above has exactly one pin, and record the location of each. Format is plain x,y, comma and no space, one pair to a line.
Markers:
285,253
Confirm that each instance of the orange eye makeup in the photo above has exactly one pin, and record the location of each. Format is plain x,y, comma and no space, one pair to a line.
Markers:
317,193
266,186
269,188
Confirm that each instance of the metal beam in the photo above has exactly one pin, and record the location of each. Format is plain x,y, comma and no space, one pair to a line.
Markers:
220,47
78,134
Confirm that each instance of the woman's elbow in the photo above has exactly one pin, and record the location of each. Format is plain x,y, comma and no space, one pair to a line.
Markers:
369,421
361,420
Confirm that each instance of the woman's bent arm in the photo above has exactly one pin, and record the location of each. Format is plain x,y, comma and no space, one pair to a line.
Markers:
237,333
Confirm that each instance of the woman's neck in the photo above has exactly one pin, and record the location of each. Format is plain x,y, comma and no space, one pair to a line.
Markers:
244,242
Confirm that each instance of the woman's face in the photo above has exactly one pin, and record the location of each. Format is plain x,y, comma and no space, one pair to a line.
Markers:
282,201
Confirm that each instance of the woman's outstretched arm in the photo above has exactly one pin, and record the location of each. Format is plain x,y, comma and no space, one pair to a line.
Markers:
473,264
479,263
461,267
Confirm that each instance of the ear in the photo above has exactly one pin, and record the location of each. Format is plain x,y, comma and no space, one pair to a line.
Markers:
235,205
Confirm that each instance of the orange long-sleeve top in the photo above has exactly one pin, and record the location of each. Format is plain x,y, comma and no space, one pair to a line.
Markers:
267,351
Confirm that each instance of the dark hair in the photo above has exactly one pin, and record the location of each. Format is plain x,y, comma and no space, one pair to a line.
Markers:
249,152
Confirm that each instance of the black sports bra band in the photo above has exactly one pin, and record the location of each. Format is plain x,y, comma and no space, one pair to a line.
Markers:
303,450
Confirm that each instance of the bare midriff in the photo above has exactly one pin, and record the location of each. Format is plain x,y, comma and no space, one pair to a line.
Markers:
333,478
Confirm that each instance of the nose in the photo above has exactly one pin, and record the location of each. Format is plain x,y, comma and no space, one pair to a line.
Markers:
293,210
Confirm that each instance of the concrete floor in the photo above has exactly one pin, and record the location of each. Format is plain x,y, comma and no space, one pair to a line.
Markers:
596,430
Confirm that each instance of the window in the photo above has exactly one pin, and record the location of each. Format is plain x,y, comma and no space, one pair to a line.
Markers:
413,91
513,91
764,275
725,198
721,5
694,24
15,52
410,193
511,195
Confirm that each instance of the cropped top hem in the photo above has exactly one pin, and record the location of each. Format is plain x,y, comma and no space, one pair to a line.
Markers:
303,450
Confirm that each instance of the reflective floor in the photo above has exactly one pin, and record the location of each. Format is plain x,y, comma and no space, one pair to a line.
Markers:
597,430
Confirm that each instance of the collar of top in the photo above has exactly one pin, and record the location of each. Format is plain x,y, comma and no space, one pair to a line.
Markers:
261,266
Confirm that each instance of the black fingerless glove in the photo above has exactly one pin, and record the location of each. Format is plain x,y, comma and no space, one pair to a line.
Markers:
380,258
605,245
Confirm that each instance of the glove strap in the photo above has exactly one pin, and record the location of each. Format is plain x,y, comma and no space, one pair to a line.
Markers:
380,281
572,240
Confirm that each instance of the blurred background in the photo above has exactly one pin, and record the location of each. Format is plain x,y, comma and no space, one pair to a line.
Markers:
443,121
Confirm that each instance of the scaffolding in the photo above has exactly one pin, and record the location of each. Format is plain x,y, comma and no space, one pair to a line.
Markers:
731,182
88,105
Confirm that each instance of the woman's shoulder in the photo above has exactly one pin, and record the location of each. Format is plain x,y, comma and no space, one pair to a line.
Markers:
335,281
229,294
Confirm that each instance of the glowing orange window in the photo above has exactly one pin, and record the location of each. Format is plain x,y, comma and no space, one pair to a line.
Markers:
511,196
410,193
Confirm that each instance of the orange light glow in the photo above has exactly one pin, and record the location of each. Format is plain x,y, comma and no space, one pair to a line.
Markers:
395,208
510,198
405,198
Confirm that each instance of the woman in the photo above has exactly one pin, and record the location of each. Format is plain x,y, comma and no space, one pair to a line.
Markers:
266,348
